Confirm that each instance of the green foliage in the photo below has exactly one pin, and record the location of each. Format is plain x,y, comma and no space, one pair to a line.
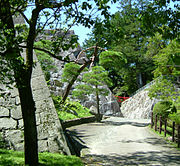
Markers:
98,76
46,62
167,59
70,109
163,89
177,103
112,59
93,82
124,35
163,109
161,16
14,158
81,90
70,70
175,117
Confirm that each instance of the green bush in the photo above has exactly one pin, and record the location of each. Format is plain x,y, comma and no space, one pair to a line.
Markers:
175,117
163,109
177,103
70,109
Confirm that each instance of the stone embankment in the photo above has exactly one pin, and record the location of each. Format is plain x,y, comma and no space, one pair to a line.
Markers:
138,106
50,134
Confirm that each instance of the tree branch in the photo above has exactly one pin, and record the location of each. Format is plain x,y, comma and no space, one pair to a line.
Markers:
79,55
24,16
48,52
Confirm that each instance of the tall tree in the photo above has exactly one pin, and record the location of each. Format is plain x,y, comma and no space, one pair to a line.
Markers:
14,38
95,82
124,33
162,16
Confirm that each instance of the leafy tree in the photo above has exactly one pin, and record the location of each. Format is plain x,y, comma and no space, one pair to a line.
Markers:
94,83
167,63
163,109
161,16
124,34
13,38
73,70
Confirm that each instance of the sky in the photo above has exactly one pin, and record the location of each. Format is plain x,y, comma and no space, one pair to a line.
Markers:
83,32
80,30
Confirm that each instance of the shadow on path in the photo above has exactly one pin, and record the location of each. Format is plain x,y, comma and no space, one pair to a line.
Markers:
112,123
138,158
75,143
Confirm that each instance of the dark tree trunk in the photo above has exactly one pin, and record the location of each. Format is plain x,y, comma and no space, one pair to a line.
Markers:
30,130
97,101
22,75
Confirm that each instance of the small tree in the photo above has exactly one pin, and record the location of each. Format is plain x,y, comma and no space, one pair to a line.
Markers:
73,70
94,82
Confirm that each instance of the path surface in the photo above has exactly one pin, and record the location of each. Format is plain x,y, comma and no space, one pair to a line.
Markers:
118,141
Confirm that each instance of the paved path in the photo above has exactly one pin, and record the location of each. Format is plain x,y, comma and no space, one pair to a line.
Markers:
118,141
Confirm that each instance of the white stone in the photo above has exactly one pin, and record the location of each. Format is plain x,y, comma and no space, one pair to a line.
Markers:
4,112
7,123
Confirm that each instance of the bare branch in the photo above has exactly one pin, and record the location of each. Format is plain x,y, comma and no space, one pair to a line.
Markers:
24,16
48,52
79,55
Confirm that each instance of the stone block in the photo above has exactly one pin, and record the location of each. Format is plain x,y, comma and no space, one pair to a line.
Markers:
16,113
55,145
43,146
38,82
17,99
37,71
41,94
20,124
14,92
19,146
48,116
7,123
4,112
43,105
90,103
14,136
38,119
42,132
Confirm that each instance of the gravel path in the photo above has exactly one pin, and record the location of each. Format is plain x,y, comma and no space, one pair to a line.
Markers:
119,141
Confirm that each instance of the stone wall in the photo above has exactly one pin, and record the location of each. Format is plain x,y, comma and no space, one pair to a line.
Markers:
108,104
50,134
138,106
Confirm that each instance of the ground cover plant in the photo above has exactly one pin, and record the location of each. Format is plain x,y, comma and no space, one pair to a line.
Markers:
14,158
70,109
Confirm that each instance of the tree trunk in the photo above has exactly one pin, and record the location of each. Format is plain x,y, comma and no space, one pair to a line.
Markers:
68,88
22,75
30,130
97,101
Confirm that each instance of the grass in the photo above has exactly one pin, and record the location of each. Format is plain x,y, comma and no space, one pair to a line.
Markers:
14,158
70,109
165,138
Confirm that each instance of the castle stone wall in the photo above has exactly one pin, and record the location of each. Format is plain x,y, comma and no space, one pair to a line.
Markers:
50,134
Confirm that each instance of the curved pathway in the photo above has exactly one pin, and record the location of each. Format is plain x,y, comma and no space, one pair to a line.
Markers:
119,141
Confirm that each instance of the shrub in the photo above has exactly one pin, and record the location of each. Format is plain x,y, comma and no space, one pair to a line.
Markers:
175,117
69,109
163,109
